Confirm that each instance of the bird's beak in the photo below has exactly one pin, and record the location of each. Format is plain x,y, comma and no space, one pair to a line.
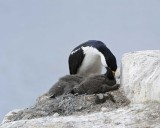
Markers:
113,73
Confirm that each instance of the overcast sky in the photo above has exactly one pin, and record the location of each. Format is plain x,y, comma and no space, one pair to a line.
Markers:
36,37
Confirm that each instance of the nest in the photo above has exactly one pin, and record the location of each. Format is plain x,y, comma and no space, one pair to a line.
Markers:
71,104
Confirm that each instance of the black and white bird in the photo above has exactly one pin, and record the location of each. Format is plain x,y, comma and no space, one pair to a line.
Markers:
89,58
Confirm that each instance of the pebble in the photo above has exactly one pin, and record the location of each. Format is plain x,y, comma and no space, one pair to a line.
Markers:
56,115
103,109
100,96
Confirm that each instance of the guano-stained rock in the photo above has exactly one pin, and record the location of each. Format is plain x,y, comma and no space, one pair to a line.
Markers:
140,76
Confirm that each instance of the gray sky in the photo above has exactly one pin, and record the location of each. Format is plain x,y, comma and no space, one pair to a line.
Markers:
36,37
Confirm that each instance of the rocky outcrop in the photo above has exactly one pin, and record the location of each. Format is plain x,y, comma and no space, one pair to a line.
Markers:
140,76
134,116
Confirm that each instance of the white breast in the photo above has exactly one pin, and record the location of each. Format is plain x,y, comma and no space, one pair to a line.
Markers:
92,62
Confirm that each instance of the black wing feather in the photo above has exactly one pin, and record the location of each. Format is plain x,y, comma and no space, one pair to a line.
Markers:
75,60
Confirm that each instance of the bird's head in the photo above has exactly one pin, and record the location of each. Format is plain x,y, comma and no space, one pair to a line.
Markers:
110,74
112,64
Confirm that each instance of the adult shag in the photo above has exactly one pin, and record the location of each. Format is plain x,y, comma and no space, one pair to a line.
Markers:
89,58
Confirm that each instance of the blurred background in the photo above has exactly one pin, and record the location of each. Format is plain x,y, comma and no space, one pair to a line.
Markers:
37,36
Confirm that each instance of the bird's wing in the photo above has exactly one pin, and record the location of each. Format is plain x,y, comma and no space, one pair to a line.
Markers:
75,60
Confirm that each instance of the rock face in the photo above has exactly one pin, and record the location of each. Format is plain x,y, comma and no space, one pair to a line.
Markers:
140,83
140,76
